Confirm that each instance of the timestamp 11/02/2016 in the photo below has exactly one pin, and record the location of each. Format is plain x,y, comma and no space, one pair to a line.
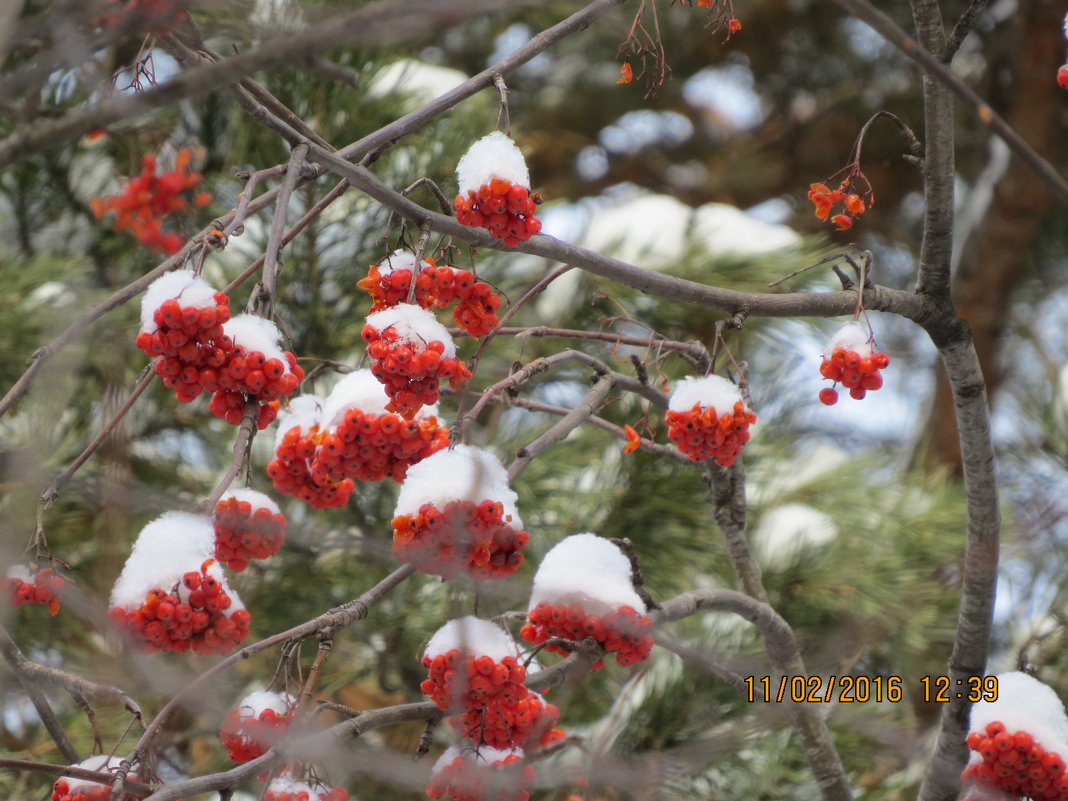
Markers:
865,689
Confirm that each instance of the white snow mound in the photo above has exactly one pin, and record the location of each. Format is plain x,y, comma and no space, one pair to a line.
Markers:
304,412
587,570
492,156
173,544
361,390
287,784
400,260
472,636
20,572
851,336
413,326
257,499
255,333
185,286
484,755
1025,703
255,703
460,473
713,391
99,762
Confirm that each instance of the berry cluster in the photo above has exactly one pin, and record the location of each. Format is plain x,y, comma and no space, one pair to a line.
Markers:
1062,76
486,775
147,199
622,631
192,615
1016,764
461,537
435,287
854,362
497,709
187,341
291,470
503,208
409,368
250,376
701,433
852,205
285,788
249,731
248,525
75,789
369,447
29,587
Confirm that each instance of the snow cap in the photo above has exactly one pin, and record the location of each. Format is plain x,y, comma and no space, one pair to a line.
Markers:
254,704
413,326
173,544
713,391
255,333
100,762
851,336
1025,704
361,390
294,786
400,260
460,473
483,755
586,570
257,499
21,572
304,412
473,636
185,286
492,156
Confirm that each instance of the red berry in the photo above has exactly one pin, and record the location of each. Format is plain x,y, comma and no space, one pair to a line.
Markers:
828,396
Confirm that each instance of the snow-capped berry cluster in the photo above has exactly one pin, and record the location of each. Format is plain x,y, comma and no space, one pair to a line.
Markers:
486,774
73,789
474,670
26,586
248,525
149,198
495,190
258,371
172,595
853,361
1019,741
389,283
325,445
1062,72
583,589
708,419
456,514
287,788
410,352
256,724
182,319
186,327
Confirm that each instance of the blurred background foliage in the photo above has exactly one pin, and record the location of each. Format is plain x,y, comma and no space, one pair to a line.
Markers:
856,513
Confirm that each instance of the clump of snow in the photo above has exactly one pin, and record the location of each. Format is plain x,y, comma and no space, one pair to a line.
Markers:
293,786
492,156
304,412
473,636
361,390
255,703
712,390
257,499
254,333
101,763
173,544
1025,704
484,755
185,286
400,260
413,326
587,570
20,572
460,473
851,336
